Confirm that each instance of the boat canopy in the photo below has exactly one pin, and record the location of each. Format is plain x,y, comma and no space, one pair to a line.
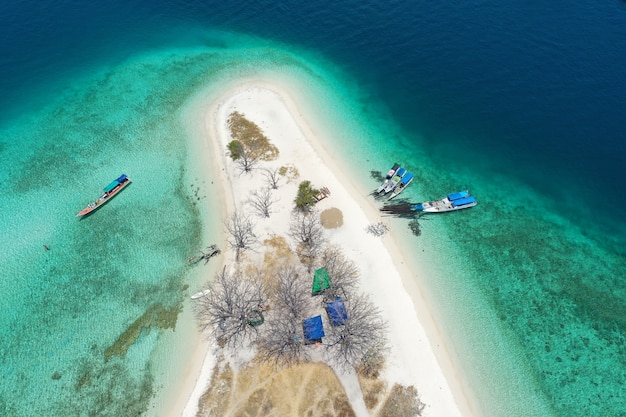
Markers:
417,207
313,329
401,172
321,281
337,312
115,183
408,177
111,186
456,196
393,170
463,201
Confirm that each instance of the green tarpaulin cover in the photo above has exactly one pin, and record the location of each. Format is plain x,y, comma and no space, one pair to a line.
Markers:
321,281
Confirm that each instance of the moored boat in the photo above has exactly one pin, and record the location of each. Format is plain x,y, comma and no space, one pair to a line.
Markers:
452,202
110,191
389,176
393,182
200,294
404,182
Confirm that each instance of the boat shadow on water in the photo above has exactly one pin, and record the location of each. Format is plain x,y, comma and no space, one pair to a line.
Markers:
452,202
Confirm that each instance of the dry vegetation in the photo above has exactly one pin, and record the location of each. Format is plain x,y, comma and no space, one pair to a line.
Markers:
374,391
251,137
277,251
402,401
290,172
259,390
215,401
331,218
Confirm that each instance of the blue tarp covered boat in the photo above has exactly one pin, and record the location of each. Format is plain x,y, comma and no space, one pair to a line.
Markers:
463,201
456,196
452,202
394,181
110,191
404,182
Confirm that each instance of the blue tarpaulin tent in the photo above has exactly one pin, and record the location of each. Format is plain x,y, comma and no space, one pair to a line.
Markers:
313,329
337,312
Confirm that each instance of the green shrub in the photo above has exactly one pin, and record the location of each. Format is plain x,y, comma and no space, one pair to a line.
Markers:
235,147
306,195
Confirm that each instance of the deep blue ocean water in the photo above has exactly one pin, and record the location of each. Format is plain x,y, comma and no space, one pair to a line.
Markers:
523,102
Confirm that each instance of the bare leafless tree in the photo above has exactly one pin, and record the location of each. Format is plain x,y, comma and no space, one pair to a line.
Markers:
205,255
261,202
343,273
248,158
271,177
241,233
308,233
373,362
292,295
282,341
228,309
350,344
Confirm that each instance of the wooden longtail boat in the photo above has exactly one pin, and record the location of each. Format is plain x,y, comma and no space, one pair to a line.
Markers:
404,182
110,191
390,174
393,183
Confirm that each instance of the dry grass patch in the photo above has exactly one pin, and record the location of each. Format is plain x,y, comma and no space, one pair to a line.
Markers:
250,135
290,172
216,399
402,402
260,390
374,391
278,252
331,218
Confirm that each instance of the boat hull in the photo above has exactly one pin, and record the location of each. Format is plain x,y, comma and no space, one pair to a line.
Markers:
389,176
452,202
393,183
401,187
105,198
440,209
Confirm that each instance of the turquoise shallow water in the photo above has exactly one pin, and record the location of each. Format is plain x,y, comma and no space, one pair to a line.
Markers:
528,287
64,307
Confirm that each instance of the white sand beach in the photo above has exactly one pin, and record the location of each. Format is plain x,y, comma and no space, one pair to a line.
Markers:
417,355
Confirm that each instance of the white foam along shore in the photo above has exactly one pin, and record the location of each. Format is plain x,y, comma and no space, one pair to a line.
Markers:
418,355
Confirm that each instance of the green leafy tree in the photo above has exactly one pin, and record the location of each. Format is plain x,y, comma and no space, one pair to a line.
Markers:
249,144
305,198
